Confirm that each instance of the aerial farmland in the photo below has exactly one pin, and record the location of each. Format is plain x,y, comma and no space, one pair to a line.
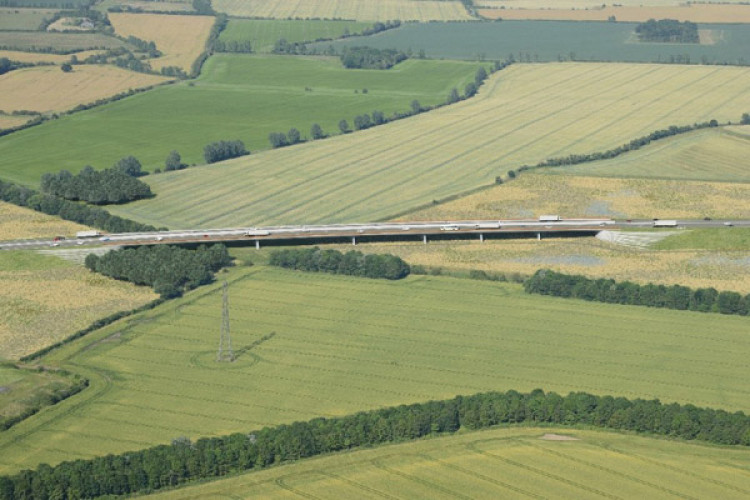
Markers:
400,249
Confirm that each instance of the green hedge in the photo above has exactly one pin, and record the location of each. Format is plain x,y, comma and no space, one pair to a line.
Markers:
351,263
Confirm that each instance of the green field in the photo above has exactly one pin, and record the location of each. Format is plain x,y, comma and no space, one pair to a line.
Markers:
63,42
344,344
237,97
721,239
522,115
23,388
264,33
703,155
542,41
503,463
22,19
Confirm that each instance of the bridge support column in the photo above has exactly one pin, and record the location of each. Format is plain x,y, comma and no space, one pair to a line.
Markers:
257,244
424,239
354,240
538,236
481,237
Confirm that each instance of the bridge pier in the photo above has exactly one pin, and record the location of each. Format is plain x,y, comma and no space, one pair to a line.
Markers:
424,239
538,236
481,237
257,244
354,240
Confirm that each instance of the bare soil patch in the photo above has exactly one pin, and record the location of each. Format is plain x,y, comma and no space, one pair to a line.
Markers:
558,437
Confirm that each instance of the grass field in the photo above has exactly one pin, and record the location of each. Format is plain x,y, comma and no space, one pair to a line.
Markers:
237,97
181,39
35,57
709,239
22,388
47,89
64,42
23,223
521,116
360,10
697,13
704,155
44,299
533,194
264,33
346,344
543,41
503,463
50,3
22,19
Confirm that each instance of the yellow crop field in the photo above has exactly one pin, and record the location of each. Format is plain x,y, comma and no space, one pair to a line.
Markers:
533,194
47,89
36,57
24,223
522,115
44,299
698,13
9,121
180,39
524,462
359,10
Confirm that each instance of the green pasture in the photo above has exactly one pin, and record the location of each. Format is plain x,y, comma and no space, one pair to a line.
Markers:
22,19
503,463
66,42
21,388
237,97
543,41
21,260
264,33
336,345
720,239
703,155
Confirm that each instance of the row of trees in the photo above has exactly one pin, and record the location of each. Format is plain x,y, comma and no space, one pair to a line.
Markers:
546,282
224,150
183,461
668,31
170,270
352,263
370,58
68,210
97,187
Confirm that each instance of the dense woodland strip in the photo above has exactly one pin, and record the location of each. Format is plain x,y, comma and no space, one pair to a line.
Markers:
170,270
68,210
352,263
183,461
668,31
547,282
97,187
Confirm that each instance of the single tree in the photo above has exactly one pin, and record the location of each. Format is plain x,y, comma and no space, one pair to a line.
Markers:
453,96
480,76
745,119
316,132
294,136
130,166
470,90
344,126
173,161
278,139
416,108
66,67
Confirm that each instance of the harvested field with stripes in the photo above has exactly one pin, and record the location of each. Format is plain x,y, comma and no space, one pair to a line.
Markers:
36,57
503,463
697,13
335,345
180,39
46,89
522,115
358,10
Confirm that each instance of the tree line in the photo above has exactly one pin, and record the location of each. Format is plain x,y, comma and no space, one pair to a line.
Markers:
352,263
69,210
184,461
370,58
97,187
224,150
170,270
547,282
668,31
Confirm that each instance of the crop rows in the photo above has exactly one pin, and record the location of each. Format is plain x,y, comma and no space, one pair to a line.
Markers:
346,344
360,10
521,117
507,463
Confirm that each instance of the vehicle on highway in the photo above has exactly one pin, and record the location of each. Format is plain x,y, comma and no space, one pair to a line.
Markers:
665,223
449,227
549,218
730,224
58,238
88,234
104,238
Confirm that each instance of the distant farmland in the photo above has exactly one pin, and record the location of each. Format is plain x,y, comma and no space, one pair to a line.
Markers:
344,344
533,41
697,13
18,223
264,33
502,463
237,97
61,42
521,116
46,88
22,19
180,38
360,10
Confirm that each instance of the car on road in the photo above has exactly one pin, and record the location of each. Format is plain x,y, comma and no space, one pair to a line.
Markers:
728,223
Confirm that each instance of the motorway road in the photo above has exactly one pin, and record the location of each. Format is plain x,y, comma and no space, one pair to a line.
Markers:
391,229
